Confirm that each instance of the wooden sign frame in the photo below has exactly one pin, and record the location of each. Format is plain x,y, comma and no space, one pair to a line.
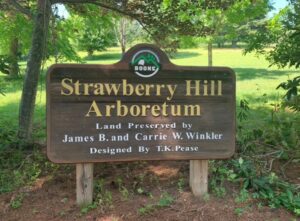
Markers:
204,95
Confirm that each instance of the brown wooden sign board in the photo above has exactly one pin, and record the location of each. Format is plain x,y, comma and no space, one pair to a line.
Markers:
141,108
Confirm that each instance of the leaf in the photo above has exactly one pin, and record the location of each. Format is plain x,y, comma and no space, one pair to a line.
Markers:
241,161
166,4
290,195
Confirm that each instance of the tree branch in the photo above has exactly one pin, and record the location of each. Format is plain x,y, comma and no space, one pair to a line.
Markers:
115,9
95,2
20,8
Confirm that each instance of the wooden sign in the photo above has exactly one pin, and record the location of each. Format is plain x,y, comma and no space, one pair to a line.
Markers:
141,108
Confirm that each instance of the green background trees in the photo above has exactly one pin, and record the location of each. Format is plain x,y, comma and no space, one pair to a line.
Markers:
16,30
278,39
266,132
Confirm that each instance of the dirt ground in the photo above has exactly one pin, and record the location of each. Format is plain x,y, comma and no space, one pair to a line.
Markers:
133,191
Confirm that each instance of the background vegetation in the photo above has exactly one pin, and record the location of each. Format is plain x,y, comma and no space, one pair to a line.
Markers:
240,35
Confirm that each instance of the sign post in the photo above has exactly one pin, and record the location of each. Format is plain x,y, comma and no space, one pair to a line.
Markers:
141,108
84,183
199,177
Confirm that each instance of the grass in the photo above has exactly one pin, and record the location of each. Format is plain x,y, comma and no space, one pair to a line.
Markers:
254,76
9,105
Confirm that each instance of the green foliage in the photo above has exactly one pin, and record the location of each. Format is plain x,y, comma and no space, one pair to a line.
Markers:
221,20
17,201
239,211
103,197
147,209
243,110
128,30
188,42
85,209
15,25
292,98
277,136
89,29
180,185
8,138
259,145
124,192
243,196
181,18
278,38
291,86
95,31
242,18
94,40
19,167
122,189
267,187
4,64
165,201
286,51
219,175
61,39
20,163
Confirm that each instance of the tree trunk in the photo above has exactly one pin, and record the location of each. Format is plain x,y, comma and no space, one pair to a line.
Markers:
210,54
123,35
90,53
36,56
13,56
234,43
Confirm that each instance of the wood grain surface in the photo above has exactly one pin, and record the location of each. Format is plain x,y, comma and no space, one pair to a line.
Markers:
67,115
